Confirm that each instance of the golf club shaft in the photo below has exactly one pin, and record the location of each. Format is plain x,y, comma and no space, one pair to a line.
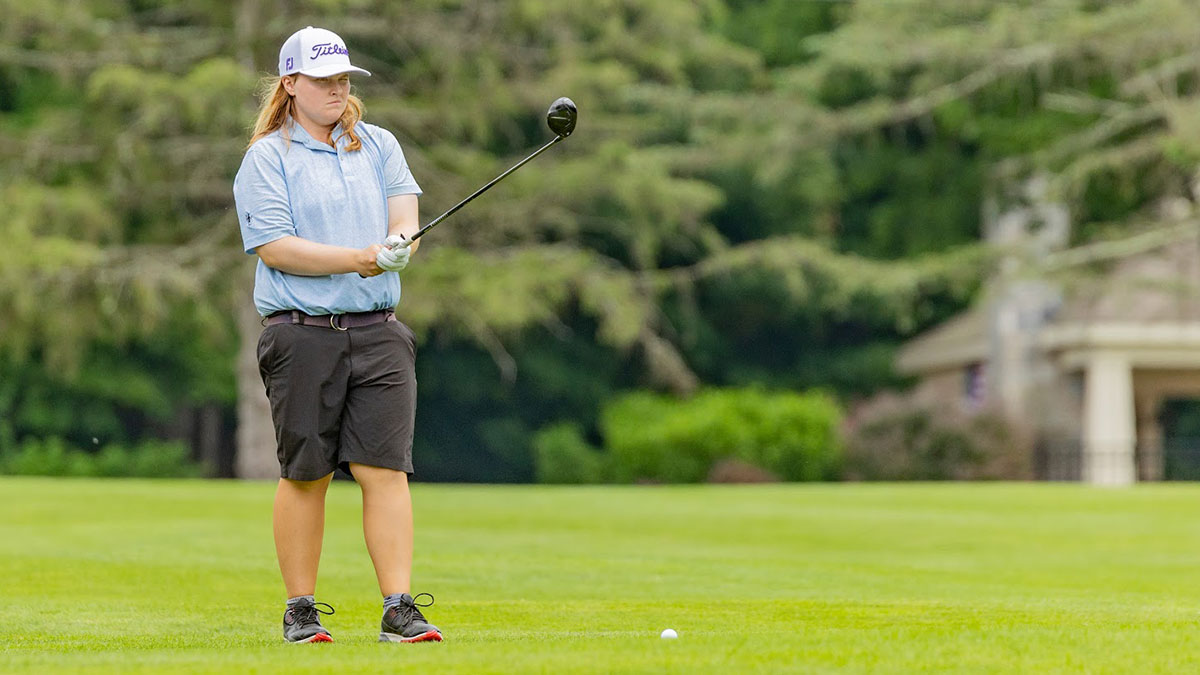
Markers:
478,192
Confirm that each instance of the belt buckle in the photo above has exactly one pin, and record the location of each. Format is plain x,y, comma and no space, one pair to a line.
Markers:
333,322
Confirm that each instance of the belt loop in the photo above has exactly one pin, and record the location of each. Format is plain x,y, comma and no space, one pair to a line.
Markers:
296,316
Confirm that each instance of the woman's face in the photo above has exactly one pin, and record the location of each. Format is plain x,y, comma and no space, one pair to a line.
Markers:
320,99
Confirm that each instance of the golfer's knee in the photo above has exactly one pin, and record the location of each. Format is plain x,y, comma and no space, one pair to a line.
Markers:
308,486
369,476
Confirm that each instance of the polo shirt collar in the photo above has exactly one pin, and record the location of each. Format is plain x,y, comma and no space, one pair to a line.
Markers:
301,135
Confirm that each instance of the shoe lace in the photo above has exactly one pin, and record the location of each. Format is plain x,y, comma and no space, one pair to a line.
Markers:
306,614
410,612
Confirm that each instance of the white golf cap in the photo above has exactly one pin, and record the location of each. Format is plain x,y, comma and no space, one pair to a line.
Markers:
316,52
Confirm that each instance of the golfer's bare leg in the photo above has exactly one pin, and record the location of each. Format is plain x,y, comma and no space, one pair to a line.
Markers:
387,525
299,526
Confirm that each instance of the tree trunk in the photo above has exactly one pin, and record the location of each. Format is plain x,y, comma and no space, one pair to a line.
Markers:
206,437
255,433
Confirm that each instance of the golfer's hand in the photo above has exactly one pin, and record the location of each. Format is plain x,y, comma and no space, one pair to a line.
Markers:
389,260
365,261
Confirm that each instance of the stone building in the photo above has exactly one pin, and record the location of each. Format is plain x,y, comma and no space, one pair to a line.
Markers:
1084,355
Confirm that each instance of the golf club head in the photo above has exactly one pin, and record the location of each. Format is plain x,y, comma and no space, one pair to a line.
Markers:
561,117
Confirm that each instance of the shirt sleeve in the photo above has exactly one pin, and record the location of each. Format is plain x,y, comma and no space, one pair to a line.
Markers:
399,179
260,195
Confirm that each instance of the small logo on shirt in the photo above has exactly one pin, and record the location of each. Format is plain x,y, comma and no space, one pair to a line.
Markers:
326,48
247,217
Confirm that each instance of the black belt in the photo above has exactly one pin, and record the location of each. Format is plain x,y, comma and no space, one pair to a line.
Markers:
334,321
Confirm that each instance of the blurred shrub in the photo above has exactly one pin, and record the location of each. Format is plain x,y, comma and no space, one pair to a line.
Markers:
54,457
662,438
907,438
561,455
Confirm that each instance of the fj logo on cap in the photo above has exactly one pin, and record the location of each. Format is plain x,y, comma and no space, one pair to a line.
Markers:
327,48
289,64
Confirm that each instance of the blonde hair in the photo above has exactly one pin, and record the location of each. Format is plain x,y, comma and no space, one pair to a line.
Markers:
277,106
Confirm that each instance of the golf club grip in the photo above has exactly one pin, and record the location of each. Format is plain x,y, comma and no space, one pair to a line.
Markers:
475,194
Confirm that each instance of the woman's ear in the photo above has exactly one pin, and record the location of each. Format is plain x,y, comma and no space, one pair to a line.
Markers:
289,84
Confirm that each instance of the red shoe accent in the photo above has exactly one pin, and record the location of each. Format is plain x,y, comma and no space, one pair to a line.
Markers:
428,636
319,637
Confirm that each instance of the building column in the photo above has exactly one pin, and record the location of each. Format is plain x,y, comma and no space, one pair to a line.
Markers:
1108,421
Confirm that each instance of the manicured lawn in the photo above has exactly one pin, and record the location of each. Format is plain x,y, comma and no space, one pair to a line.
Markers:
180,576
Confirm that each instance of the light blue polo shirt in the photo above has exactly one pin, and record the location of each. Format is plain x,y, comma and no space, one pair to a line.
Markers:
332,196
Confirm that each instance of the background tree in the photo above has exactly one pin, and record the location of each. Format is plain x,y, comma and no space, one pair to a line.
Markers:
758,192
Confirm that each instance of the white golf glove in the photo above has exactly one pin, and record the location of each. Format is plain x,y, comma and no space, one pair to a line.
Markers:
389,260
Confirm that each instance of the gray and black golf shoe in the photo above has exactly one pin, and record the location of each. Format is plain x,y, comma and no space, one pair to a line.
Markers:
406,623
302,623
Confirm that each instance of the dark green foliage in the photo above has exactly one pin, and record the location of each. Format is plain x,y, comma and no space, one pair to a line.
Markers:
844,85
741,169
118,393
475,425
777,28
908,193
561,455
1112,195
54,457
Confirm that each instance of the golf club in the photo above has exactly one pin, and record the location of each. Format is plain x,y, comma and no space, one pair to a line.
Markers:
561,120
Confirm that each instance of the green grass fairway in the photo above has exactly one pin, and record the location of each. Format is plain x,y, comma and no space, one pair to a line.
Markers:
180,576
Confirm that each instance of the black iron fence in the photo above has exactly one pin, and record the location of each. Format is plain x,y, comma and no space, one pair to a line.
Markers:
1174,459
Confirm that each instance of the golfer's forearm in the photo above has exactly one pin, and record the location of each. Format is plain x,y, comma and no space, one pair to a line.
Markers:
404,217
307,258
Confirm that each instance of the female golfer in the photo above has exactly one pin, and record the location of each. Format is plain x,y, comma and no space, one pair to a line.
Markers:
318,195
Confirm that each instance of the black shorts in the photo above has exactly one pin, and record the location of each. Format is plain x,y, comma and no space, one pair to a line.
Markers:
340,396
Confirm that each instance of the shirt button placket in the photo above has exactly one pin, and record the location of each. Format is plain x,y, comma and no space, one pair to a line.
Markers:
347,166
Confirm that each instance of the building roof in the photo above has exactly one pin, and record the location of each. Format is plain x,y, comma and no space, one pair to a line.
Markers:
954,343
1150,295
1160,285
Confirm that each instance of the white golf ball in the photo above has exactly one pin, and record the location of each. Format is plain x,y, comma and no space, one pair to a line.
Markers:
669,634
